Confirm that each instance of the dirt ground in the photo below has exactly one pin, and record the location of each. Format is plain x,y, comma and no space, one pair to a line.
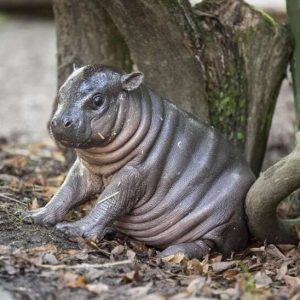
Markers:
41,263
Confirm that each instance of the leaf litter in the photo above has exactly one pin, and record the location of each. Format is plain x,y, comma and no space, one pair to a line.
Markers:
41,263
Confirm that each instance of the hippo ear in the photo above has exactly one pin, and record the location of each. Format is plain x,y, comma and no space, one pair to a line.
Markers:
132,81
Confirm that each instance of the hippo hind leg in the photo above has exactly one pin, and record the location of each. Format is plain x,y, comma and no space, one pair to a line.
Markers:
196,249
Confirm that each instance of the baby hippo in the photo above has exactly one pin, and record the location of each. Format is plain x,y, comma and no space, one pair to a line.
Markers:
164,178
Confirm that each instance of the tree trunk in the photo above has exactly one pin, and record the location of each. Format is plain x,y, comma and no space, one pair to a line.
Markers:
245,54
160,36
86,35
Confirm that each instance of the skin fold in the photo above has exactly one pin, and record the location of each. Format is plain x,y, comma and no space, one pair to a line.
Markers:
163,177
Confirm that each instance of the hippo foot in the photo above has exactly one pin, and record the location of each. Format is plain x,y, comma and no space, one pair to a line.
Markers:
82,228
41,216
190,250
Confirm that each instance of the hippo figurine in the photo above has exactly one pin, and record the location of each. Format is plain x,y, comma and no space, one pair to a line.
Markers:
164,178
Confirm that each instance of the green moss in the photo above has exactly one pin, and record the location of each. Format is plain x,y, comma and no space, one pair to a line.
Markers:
227,113
268,20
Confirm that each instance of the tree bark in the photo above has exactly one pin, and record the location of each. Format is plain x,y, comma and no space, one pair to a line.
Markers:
245,54
86,35
162,38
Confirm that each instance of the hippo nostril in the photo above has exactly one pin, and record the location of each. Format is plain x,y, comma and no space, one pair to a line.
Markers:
67,123
53,122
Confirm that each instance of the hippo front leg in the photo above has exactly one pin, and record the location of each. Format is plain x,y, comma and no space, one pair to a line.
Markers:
77,187
117,200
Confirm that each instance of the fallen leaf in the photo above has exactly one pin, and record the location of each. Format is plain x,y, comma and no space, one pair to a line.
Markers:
140,291
74,280
275,252
174,258
97,288
292,281
194,267
222,266
130,276
196,285
49,258
262,279
282,271
130,254
34,204
118,250
154,297
11,270
46,248
230,274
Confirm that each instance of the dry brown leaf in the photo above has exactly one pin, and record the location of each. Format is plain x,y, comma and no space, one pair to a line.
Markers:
68,253
48,192
130,254
217,258
34,204
18,162
262,279
286,247
117,250
4,250
174,258
56,181
292,281
138,246
275,252
294,254
12,182
154,297
282,271
74,280
130,276
97,288
222,266
230,274
196,285
140,291
194,267
257,249
49,258
42,249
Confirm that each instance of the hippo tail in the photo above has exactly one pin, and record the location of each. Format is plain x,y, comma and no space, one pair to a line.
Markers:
274,185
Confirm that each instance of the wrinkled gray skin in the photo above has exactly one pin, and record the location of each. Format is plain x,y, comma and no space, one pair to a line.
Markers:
163,177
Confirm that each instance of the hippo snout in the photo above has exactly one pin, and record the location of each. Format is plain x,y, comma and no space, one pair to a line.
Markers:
66,122
67,130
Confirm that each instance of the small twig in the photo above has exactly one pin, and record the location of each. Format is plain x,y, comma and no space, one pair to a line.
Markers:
101,136
5,197
106,198
85,266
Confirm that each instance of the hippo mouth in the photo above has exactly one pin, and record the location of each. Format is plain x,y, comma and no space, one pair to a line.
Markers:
71,144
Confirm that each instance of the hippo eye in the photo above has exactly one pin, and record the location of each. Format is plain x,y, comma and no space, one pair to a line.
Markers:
97,100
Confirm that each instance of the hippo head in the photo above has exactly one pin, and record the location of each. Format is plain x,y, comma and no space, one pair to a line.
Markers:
88,105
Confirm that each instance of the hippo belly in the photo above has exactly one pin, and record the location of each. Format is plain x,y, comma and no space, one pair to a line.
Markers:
196,189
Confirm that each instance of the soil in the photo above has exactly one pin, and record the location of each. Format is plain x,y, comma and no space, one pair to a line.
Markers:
41,263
